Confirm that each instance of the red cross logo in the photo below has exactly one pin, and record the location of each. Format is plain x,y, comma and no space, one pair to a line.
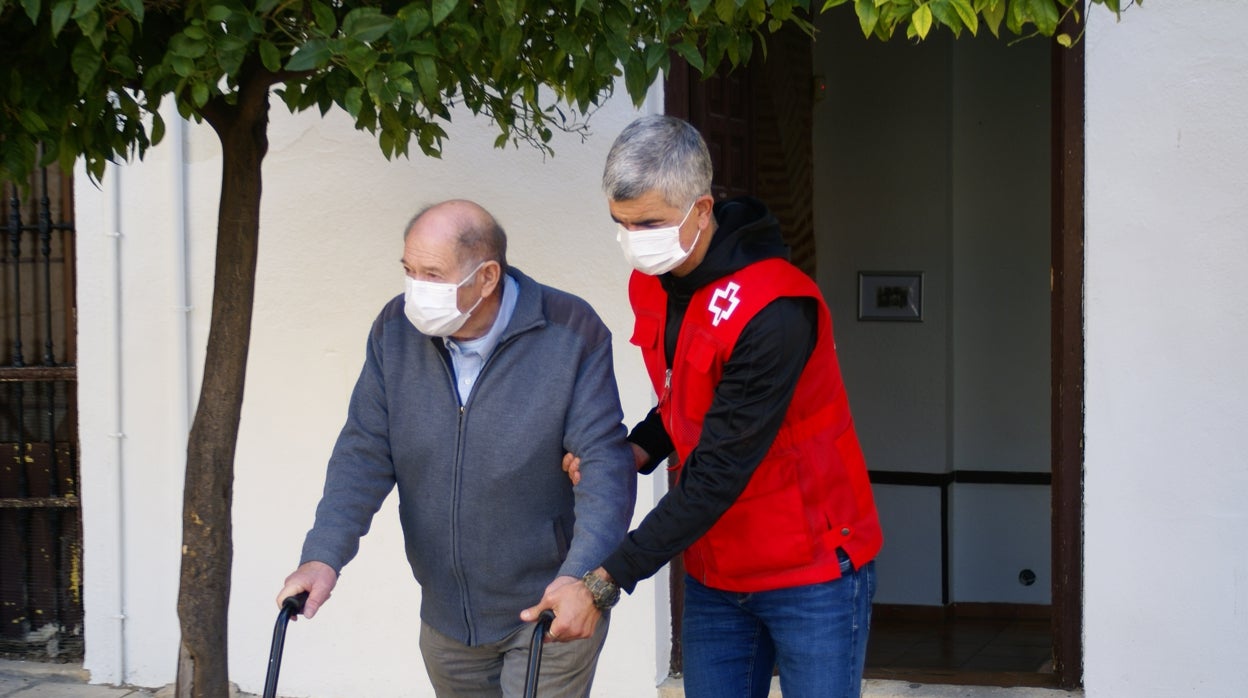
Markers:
728,295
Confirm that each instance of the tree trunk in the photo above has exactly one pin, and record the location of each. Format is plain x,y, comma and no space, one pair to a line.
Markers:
207,548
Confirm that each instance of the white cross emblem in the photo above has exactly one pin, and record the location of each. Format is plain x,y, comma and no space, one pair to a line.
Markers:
728,293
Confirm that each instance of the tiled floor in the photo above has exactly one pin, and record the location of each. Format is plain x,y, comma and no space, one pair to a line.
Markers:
987,651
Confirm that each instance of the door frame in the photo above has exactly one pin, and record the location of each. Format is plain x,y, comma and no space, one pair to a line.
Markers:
1067,357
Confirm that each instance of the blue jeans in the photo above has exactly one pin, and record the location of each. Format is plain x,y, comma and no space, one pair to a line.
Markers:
816,635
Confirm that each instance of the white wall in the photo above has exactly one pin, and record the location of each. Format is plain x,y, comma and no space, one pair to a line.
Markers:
331,234
1166,529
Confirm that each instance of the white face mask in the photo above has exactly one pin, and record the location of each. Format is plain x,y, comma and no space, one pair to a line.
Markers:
657,250
433,307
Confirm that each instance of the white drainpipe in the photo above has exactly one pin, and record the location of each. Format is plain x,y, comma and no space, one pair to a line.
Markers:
182,277
119,434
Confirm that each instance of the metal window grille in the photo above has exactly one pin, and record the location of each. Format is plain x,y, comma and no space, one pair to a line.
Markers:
40,520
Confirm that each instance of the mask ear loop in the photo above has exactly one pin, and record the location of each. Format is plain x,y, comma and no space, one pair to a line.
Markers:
466,279
700,229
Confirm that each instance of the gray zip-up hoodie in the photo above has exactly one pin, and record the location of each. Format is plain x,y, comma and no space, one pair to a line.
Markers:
489,517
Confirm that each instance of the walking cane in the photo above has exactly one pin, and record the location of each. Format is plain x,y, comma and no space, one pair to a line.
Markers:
535,653
291,607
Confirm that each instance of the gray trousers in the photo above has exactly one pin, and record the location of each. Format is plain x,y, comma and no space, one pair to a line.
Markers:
497,670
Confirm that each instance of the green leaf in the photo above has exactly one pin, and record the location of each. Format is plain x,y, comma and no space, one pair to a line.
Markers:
1019,14
403,86
89,24
868,16
199,94
32,8
943,13
231,61
635,79
510,9
697,7
85,61
218,13
655,53
270,56
158,128
182,45
690,53
366,24
124,66
922,20
969,17
353,100
415,18
325,20
441,9
60,15
423,48
725,10
135,8
32,122
427,76
310,56
1064,40
85,7
182,66
1044,14
993,14
509,42
829,4
373,82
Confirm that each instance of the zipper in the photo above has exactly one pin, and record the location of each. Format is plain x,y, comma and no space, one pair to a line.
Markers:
456,561
664,398
456,480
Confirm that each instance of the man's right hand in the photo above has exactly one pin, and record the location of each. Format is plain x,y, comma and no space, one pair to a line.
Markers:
316,578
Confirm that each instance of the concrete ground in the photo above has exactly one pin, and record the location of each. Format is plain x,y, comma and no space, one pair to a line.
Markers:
38,680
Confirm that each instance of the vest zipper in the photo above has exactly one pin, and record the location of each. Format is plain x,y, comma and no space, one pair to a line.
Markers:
664,398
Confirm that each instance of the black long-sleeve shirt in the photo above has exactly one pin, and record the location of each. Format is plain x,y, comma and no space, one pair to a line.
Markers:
748,408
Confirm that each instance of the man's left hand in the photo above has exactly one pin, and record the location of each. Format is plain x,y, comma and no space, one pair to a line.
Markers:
575,614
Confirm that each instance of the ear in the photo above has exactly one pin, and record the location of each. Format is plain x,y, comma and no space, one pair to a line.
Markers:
491,276
704,208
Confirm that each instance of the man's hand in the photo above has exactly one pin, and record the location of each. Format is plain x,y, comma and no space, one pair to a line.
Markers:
575,615
572,464
316,578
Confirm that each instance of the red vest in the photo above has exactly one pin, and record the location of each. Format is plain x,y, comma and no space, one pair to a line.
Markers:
811,494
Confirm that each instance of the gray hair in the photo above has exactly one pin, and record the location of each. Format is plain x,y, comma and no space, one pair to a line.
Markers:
658,153
483,241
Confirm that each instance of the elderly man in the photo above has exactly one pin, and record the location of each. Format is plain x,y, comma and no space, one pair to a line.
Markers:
476,381
773,507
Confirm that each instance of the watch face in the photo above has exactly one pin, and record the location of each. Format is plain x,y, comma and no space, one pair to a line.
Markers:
605,593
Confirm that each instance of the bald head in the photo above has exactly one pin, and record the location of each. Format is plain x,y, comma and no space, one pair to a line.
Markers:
469,229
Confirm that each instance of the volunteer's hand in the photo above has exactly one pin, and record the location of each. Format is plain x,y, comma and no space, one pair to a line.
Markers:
575,615
572,466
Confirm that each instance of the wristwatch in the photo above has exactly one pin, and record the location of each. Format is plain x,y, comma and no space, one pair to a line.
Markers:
605,593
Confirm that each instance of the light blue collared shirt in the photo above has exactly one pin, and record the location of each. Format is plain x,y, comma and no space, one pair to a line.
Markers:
468,357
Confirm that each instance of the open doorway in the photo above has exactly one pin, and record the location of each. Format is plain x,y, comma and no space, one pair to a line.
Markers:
958,162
